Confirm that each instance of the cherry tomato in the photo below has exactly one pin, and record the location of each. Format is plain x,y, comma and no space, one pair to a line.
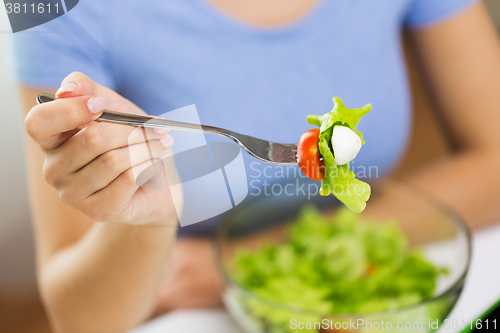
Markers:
308,156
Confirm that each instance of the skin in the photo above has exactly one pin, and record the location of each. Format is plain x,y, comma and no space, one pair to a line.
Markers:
465,82
109,276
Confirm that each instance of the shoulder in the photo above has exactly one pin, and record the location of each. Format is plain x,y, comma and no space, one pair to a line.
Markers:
422,13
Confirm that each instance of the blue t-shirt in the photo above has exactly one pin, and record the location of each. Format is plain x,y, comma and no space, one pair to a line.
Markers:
163,55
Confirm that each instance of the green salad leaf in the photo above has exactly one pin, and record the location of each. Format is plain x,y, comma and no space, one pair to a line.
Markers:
339,180
334,264
340,115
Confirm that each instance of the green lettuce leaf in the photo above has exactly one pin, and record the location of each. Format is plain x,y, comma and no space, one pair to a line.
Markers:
340,115
333,264
340,180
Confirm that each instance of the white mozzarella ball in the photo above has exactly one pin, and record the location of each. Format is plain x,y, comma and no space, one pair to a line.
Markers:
346,144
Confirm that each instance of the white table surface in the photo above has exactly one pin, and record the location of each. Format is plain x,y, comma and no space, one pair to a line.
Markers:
482,288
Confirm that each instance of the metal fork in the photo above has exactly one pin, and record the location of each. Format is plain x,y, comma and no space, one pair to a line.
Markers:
266,151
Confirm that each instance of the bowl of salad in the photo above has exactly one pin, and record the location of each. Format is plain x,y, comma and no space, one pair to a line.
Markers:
298,264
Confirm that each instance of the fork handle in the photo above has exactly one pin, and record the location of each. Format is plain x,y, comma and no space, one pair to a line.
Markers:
148,121
154,122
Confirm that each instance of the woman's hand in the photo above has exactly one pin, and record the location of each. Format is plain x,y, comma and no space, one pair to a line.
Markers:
193,280
94,165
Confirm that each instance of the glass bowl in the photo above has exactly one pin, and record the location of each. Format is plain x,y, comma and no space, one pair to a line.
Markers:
427,224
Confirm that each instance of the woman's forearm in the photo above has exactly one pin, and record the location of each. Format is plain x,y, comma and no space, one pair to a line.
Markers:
465,83
108,281
468,182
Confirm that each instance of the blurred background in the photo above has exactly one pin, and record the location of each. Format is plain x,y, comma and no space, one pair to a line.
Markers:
20,309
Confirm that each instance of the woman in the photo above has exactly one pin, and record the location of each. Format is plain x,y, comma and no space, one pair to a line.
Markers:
257,67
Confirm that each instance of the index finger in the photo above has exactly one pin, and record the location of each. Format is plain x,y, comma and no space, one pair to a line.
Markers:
46,122
78,84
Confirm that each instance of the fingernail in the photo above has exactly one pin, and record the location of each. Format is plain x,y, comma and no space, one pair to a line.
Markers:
161,131
67,87
167,141
97,105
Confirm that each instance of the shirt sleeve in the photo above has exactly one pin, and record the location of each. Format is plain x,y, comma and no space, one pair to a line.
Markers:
76,41
423,13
